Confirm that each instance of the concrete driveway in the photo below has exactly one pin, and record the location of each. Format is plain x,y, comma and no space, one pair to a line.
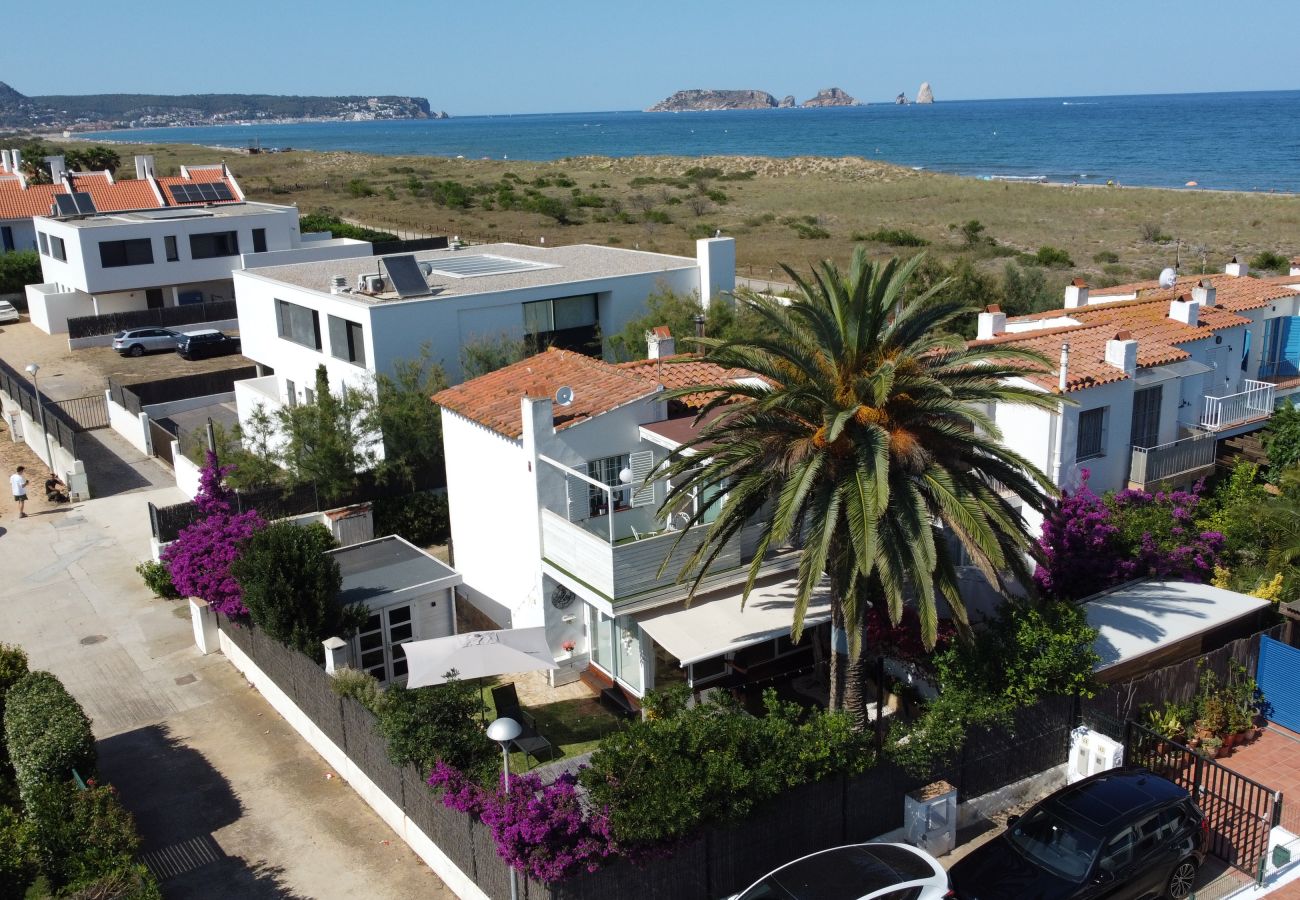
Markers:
230,802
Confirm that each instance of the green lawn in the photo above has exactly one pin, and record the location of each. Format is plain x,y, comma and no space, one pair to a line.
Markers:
572,726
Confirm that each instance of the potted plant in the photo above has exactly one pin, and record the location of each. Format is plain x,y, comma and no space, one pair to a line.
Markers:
567,646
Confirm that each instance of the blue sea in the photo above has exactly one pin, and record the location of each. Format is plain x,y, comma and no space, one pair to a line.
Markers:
1225,141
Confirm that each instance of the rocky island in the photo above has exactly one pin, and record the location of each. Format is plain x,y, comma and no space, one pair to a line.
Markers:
831,96
92,111
925,94
699,99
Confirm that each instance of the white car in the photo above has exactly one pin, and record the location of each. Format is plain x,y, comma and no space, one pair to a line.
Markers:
7,312
855,872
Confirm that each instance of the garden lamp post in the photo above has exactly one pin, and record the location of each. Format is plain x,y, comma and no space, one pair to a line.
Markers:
32,369
503,731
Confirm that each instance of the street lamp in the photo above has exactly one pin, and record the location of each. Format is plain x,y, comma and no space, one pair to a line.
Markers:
32,369
503,731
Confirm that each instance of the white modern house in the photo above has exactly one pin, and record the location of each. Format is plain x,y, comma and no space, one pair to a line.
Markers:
1156,375
358,317
21,200
100,263
554,524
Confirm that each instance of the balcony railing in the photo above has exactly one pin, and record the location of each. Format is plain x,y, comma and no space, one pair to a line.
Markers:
1255,402
1152,465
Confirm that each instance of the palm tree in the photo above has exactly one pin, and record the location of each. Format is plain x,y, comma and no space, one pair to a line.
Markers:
870,443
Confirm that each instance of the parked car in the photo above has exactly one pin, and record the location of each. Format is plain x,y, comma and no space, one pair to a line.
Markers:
7,312
205,343
855,872
139,341
1126,833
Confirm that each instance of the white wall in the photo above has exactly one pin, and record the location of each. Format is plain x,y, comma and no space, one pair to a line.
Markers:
24,233
133,427
49,308
315,250
187,473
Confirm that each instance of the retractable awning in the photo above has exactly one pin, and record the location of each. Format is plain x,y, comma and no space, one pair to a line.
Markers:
716,624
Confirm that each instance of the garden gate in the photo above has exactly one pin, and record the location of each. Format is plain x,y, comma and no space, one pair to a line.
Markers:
1240,812
1278,675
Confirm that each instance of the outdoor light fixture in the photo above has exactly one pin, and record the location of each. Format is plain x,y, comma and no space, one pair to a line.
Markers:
32,369
625,475
503,731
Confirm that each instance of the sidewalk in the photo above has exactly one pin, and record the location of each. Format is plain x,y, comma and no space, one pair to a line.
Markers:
230,803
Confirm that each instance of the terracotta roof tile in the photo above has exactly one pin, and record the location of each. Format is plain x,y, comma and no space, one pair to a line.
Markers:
684,370
493,399
109,196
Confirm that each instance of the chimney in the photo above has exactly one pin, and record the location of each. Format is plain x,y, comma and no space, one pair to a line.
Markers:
15,160
1076,294
1236,268
1065,368
716,259
1204,293
1122,353
1184,309
1295,265
58,168
4,161
992,322
144,166
660,343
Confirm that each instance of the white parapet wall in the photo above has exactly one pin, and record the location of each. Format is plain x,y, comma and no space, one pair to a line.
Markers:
132,426
187,473
461,885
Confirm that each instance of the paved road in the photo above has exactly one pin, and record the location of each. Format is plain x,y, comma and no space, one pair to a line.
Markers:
230,802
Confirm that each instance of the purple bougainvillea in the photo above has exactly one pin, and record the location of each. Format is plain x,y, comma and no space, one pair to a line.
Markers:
541,830
200,557
1090,543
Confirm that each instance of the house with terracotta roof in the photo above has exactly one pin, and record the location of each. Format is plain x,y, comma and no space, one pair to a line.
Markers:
358,317
20,200
556,520
1152,375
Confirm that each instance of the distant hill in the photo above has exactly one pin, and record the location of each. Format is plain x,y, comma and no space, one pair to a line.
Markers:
153,110
698,99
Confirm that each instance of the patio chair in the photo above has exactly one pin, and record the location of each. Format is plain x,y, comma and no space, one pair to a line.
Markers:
530,742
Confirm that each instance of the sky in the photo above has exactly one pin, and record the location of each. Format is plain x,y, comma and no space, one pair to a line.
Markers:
476,57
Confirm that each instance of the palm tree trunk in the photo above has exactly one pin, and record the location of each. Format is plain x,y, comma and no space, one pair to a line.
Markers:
855,694
837,658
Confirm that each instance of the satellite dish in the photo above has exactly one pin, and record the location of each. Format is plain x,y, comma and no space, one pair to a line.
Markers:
1168,277
564,396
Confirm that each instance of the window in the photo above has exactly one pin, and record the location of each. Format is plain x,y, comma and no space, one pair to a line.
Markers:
259,240
1118,853
291,392
1146,417
298,324
570,323
169,245
380,640
44,243
135,252
214,244
6,238
56,249
347,340
1092,428
308,396
606,471
602,644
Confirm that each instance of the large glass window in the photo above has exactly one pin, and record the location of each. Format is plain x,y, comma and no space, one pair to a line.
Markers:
259,240
298,324
570,323
1092,434
56,249
628,634
169,245
608,471
347,340
6,238
602,641
43,240
135,252
213,244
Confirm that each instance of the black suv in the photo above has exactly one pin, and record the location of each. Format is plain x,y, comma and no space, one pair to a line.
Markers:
202,344
1126,833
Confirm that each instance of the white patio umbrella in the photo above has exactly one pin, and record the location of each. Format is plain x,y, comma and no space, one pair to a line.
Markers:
476,654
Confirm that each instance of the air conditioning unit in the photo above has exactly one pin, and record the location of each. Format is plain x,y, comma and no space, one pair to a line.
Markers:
930,818
374,283
1091,752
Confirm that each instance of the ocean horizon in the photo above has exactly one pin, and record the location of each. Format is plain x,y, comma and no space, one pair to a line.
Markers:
1222,141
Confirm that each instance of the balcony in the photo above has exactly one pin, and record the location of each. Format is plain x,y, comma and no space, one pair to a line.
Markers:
1255,402
1152,465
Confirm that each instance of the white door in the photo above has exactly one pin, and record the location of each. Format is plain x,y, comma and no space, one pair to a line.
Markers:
378,644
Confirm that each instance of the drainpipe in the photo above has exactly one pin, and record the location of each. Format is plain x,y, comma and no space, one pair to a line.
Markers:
1054,437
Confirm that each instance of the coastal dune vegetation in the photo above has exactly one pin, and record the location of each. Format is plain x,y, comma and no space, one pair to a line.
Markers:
1005,242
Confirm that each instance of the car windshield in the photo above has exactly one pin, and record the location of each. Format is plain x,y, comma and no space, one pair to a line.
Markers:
1054,844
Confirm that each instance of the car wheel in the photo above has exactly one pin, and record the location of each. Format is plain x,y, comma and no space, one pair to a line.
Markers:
136,350
1182,880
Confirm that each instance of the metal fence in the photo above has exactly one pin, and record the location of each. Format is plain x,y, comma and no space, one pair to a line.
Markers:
89,412
163,317
61,426
135,396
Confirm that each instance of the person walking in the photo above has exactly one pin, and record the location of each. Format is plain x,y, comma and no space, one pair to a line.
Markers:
18,481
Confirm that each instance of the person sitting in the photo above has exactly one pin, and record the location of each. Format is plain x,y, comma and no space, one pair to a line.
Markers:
55,490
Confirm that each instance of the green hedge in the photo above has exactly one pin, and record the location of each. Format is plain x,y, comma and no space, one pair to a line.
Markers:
422,518
85,837
48,735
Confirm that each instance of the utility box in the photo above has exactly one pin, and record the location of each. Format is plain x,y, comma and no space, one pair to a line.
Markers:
1091,752
930,818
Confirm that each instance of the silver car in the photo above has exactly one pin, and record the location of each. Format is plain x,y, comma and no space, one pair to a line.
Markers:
7,312
139,341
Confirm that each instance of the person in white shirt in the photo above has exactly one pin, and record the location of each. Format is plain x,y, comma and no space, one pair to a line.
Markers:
18,481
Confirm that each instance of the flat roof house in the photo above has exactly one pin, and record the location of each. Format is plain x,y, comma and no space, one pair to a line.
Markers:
361,316
555,525
109,262
1159,374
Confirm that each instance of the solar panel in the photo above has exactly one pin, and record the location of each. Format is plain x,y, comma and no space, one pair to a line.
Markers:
405,274
83,202
64,205
481,264
203,192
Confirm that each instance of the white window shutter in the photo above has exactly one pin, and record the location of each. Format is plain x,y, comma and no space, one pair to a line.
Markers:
642,464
